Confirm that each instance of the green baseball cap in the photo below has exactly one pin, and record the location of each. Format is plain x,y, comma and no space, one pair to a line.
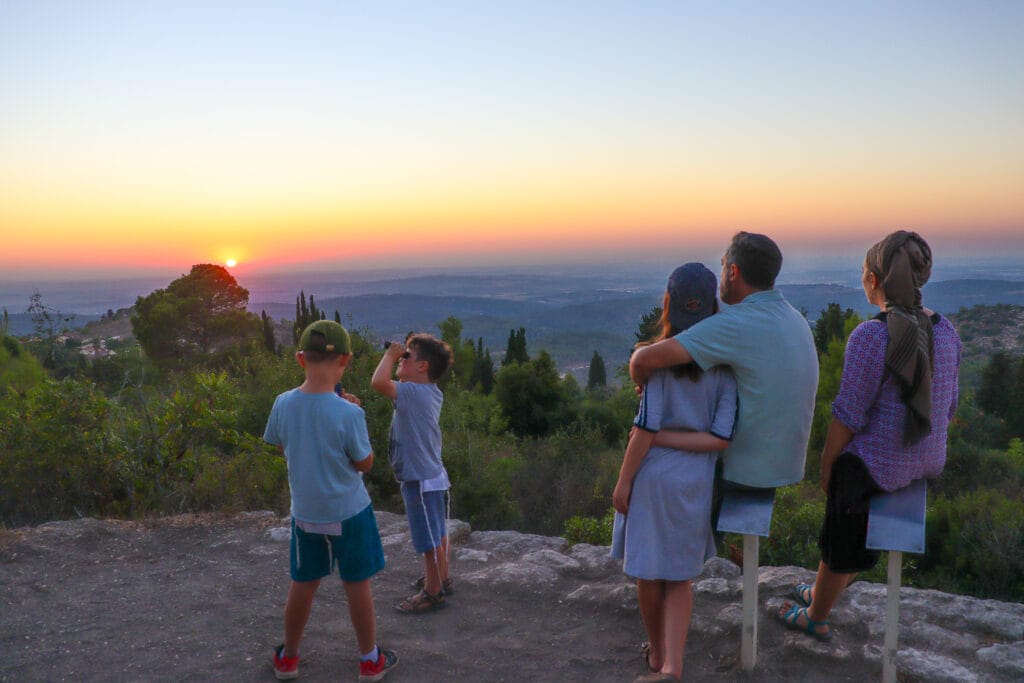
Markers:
325,335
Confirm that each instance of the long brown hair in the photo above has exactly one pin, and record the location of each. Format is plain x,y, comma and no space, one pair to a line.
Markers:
666,329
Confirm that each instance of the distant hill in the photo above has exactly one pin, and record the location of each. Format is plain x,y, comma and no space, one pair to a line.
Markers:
570,313
985,330
572,323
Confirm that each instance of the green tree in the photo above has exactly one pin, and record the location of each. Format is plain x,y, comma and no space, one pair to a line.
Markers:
831,324
515,350
306,313
648,327
997,385
1015,403
483,369
532,397
269,341
197,315
463,354
597,377
830,373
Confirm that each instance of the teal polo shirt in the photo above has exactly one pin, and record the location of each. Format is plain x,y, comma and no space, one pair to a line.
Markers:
770,349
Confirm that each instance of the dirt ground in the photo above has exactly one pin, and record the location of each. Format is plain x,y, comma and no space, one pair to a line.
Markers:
201,597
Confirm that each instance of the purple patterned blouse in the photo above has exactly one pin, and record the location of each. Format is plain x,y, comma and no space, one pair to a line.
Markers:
872,407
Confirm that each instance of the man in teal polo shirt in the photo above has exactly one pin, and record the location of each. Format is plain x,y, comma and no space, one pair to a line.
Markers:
769,347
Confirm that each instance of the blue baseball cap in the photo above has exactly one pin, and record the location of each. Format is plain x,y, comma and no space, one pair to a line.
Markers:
692,289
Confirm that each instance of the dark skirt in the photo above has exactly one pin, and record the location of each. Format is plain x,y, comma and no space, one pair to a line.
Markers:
845,530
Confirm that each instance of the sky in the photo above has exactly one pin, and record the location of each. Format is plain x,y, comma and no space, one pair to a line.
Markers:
138,137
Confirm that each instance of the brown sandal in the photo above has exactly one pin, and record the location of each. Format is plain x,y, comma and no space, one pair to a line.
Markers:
421,602
446,585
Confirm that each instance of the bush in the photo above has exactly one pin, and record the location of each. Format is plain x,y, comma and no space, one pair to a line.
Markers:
253,477
60,455
593,530
975,545
796,525
563,476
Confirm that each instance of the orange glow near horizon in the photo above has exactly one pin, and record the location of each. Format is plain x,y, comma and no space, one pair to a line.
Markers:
438,232
565,210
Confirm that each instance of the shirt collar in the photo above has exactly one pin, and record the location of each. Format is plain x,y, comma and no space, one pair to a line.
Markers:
763,295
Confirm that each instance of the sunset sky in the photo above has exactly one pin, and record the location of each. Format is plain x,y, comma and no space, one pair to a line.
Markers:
139,136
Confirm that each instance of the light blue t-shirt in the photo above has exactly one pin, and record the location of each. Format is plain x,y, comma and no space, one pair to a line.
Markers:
322,435
770,349
678,403
416,432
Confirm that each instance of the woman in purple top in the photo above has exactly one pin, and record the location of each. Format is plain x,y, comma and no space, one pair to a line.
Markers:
889,422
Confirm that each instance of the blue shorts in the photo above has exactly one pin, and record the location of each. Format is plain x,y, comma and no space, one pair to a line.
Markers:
426,515
357,553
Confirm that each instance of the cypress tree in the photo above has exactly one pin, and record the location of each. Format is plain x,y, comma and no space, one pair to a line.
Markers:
597,377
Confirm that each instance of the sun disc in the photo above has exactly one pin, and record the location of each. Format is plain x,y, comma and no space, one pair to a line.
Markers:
231,263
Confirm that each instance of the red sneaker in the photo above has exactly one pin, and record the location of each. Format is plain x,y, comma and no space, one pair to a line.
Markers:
374,671
285,668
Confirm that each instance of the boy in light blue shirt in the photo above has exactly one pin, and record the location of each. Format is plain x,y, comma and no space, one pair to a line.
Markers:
324,439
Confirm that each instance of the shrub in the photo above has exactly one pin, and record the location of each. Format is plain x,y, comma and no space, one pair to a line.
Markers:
796,524
975,544
563,476
60,456
593,530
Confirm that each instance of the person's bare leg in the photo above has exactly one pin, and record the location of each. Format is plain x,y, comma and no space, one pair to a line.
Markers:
296,614
362,614
828,586
431,571
677,611
651,599
443,558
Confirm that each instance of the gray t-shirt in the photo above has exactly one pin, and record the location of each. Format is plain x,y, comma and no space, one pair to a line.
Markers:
416,432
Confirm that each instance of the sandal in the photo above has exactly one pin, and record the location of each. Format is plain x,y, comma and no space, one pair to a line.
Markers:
446,585
791,619
656,677
421,602
802,593
645,652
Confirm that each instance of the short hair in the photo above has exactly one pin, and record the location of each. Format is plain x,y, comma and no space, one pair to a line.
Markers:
315,356
757,257
431,349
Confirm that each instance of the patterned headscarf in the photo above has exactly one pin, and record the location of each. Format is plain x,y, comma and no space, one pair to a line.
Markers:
903,263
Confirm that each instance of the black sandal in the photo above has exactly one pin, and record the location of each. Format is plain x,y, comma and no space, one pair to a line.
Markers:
421,602
645,651
446,585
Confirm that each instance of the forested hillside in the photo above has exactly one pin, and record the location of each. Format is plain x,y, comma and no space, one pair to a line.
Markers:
171,420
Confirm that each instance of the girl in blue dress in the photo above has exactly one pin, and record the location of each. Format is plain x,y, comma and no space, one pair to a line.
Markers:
663,495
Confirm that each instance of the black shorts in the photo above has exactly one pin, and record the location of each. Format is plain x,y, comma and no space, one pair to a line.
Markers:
845,530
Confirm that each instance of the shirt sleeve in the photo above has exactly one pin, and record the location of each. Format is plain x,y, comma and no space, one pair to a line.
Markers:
956,381
401,391
707,341
357,437
863,372
270,433
649,415
724,423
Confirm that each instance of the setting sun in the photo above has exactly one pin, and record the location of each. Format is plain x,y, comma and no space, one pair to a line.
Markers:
231,263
